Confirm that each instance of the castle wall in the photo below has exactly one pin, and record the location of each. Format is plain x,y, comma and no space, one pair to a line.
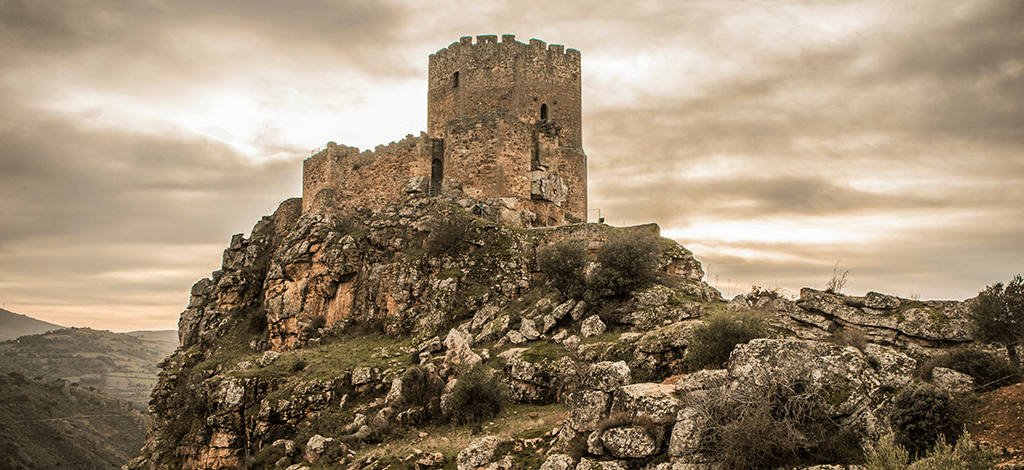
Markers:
342,177
489,155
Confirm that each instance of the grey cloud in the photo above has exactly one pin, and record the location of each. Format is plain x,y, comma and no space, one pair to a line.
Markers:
65,180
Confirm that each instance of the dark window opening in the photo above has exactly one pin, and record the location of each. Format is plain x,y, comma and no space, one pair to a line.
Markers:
455,80
436,175
543,111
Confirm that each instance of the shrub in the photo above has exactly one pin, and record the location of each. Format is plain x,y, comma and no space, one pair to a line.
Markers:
417,387
888,455
837,281
997,315
776,424
988,370
627,262
920,414
478,395
448,234
564,263
714,340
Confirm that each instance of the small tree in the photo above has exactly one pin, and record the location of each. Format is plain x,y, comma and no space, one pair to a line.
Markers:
563,263
628,261
997,315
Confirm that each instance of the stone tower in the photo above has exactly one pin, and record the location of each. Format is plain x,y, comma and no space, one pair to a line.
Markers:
503,132
525,100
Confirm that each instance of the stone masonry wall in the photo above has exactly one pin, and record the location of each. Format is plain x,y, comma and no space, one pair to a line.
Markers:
510,76
341,176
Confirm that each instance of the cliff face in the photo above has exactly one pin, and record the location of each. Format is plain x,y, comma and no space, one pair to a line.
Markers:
324,332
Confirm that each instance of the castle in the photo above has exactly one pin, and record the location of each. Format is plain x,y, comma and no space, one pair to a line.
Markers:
504,137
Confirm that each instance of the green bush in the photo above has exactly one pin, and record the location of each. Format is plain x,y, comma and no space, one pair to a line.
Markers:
419,388
478,395
988,370
776,424
627,262
997,315
921,413
888,455
564,263
714,340
448,234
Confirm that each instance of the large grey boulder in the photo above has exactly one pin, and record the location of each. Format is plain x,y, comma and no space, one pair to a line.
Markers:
558,462
842,374
318,446
949,379
686,433
590,464
705,379
654,400
630,442
587,408
480,452
607,376
592,326
895,369
459,356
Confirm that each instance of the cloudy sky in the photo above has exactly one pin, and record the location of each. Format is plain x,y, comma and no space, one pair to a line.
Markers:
773,139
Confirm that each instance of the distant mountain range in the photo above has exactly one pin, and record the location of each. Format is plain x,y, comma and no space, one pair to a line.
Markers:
14,325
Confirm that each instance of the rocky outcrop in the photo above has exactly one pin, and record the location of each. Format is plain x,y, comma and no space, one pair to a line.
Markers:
883,318
330,329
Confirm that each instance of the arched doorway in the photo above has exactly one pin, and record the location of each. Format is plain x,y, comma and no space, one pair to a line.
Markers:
436,175
544,111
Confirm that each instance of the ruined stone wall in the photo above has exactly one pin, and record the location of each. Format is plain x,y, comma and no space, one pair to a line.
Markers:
342,177
489,155
508,75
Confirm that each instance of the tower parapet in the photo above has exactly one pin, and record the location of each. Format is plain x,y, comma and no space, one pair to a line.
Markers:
531,82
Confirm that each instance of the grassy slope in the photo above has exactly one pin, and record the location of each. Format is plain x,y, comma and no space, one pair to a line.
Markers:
50,424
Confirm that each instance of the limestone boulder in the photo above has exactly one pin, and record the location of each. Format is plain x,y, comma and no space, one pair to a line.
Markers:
592,326
458,354
558,462
706,379
528,328
738,304
674,336
587,408
630,442
319,448
479,453
949,379
591,464
685,439
840,373
563,309
654,400
878,300
607,376
895,369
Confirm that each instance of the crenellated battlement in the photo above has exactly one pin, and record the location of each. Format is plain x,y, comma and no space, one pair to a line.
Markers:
485,43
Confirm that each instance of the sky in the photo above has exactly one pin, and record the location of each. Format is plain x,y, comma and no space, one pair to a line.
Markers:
779,141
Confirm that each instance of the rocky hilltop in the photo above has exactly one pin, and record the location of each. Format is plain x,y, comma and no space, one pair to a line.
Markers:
327,338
